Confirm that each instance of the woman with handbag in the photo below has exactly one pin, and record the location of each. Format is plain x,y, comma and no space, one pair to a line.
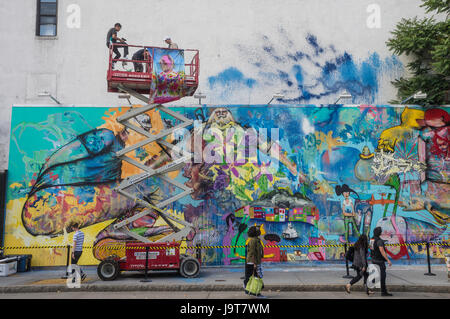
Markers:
360,263
255,252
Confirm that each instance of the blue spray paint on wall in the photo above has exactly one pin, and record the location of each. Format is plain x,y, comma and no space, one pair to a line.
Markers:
229,76
310,73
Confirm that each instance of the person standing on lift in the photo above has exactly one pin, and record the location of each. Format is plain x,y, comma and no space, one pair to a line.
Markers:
112,37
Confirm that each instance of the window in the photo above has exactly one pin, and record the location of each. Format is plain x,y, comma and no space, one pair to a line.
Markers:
47,18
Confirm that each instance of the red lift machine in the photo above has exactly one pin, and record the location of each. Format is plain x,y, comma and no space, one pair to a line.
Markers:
141,253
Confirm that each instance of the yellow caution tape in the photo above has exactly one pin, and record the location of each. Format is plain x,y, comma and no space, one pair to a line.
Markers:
169,246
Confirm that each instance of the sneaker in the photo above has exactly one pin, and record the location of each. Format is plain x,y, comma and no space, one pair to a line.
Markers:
261,296
386,294
246,292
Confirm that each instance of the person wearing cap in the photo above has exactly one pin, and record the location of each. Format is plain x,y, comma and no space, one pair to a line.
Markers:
171,44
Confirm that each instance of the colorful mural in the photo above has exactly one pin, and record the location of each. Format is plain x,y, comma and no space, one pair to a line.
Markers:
304,174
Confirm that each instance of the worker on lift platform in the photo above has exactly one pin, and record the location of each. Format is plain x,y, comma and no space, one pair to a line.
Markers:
141,55
172,45
112,37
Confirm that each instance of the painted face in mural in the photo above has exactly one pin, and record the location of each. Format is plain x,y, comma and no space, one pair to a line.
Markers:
166,63
436,123
435,118
221,117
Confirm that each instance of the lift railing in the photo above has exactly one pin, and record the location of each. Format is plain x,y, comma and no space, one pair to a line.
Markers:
192,69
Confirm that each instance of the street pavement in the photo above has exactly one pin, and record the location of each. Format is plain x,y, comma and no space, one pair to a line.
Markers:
278,279
73,295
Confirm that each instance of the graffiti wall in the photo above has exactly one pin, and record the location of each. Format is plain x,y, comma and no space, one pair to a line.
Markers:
303,174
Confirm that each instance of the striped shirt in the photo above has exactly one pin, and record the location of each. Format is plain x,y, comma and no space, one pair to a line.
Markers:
78,240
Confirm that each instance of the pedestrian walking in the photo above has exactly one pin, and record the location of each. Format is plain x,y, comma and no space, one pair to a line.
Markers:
255,252
361,249
379,257
78,240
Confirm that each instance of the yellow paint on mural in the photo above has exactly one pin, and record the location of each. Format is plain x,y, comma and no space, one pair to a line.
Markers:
17,236
391,136
327,141
147,151
14,185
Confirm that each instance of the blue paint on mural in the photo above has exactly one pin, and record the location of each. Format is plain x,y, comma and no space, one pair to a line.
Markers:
231,76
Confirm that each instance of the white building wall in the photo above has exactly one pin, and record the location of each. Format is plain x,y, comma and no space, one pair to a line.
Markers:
229,34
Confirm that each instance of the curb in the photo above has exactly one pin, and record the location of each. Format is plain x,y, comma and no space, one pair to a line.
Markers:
150,287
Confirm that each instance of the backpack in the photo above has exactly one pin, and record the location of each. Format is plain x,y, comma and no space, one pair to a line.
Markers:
350,253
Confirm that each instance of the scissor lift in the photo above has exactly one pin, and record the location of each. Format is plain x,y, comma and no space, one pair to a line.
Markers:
165,252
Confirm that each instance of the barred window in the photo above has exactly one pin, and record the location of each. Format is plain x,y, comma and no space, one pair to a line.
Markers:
47,17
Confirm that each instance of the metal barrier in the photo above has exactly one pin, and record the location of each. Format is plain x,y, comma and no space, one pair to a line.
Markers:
347,275
429,273
67,263
146,266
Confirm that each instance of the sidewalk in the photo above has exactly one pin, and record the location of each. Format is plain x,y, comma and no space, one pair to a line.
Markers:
404,278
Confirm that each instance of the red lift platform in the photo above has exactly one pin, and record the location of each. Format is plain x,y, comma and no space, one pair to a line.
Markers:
165,76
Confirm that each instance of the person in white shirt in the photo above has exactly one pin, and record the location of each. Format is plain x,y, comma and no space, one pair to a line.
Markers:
78,240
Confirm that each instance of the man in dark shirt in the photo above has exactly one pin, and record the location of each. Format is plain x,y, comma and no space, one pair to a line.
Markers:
112,37
141,55
379,257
